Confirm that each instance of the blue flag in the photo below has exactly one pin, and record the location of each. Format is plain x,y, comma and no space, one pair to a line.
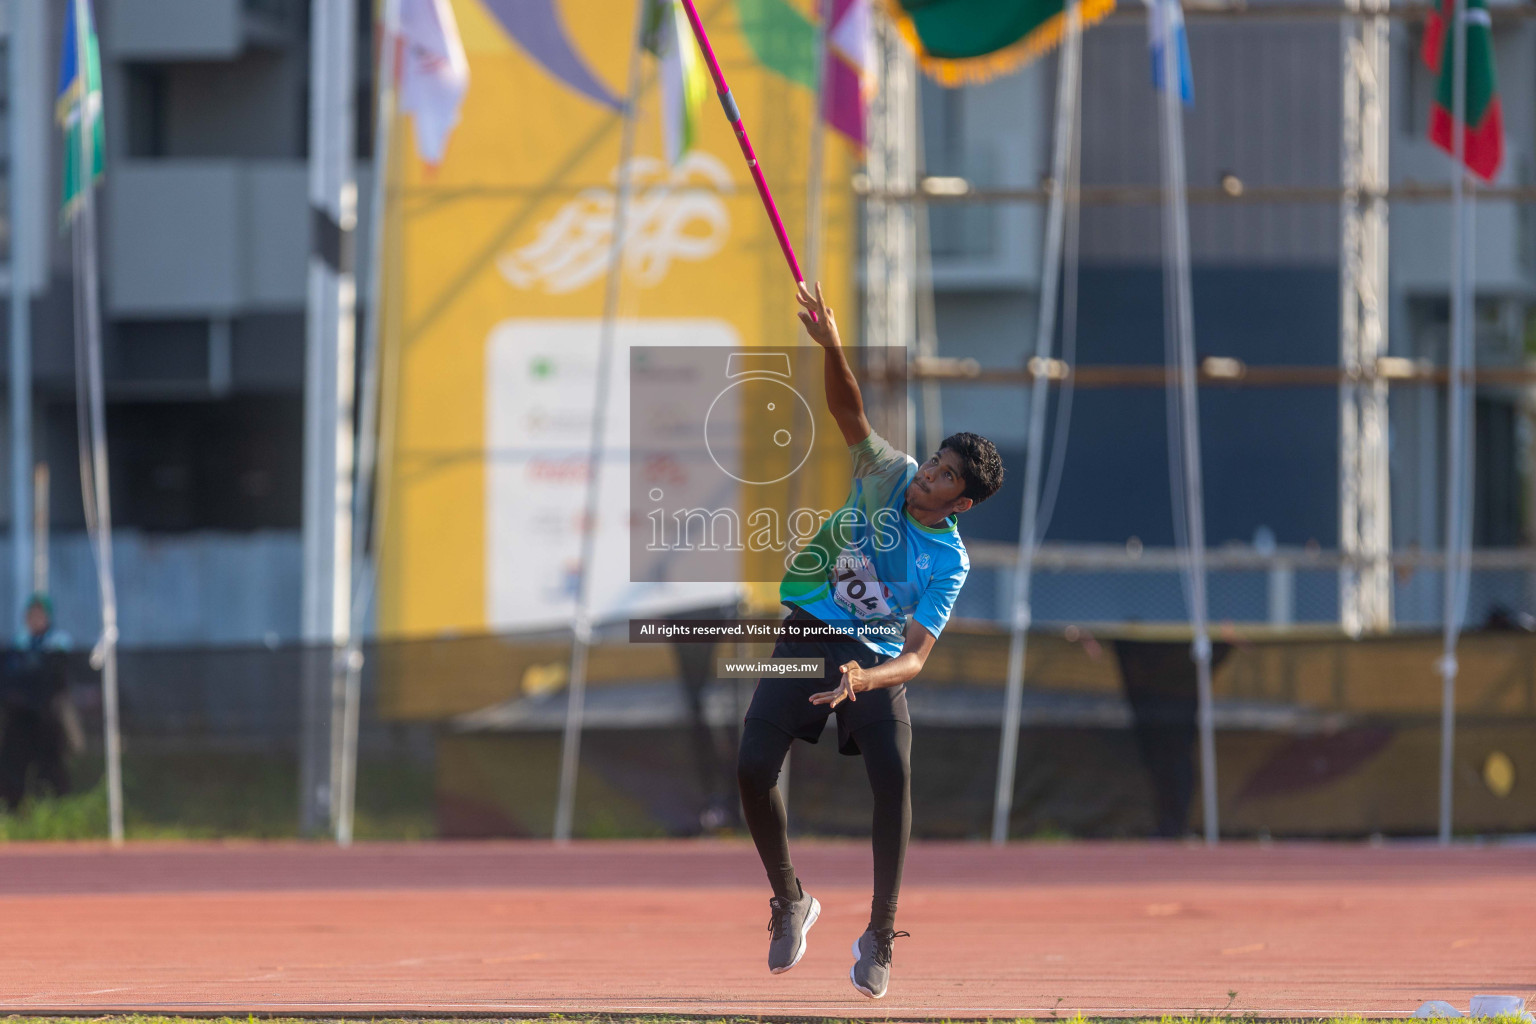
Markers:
1165,27
78,106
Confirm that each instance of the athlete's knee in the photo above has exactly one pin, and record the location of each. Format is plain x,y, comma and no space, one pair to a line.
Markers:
892,778
757,771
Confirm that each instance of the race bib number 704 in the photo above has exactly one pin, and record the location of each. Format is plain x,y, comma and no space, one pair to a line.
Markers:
856,588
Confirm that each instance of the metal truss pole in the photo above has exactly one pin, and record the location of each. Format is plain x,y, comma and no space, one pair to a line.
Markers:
1365,502
890,248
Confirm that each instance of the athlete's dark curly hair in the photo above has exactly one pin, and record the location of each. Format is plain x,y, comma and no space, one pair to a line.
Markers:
980,464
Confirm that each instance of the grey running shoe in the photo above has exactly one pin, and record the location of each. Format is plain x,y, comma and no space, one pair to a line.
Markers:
790,921
871,971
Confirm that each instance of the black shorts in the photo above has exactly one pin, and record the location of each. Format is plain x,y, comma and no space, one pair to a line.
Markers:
786,703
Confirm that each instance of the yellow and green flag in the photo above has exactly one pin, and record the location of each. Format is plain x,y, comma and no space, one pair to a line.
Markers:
682,78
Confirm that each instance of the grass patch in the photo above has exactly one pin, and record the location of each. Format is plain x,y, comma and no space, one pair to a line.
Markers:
216,795
77,816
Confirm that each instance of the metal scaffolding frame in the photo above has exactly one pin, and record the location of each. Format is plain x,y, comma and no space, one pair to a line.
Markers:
1365,496
890,228
891,187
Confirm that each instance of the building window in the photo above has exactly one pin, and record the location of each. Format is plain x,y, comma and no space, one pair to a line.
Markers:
148,96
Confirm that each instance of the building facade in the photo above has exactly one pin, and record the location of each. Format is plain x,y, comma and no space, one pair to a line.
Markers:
205,236
1266,284
204,241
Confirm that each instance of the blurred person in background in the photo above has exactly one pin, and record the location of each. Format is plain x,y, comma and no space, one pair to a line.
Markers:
40,728
719,808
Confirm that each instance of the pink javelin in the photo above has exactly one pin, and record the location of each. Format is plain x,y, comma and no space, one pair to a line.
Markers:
732,114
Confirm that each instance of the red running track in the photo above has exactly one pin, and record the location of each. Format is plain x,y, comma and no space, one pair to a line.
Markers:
679,927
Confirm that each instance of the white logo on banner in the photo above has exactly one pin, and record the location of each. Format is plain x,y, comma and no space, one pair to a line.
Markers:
674,214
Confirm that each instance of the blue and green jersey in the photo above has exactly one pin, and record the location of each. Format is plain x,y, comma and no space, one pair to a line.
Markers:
871,564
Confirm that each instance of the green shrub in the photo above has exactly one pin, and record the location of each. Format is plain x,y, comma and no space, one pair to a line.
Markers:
77,816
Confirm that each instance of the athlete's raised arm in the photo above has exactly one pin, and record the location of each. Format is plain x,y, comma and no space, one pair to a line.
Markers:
843,398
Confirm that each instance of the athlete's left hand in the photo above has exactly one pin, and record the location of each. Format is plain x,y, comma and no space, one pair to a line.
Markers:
819,321
853,682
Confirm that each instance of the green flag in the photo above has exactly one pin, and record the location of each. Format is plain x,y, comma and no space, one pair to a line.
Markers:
959,41
78,106
781,38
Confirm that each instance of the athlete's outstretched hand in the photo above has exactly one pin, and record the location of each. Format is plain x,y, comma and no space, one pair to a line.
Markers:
853,682
819,322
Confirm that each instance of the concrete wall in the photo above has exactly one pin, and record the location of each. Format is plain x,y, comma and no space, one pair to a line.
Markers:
173,29
1267,109
211,237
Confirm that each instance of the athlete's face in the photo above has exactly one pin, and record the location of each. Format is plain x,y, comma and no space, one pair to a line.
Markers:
937,487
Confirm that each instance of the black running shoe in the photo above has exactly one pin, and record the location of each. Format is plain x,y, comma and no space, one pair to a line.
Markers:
789,922
871,971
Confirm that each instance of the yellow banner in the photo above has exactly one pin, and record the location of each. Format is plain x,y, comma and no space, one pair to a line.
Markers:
496,272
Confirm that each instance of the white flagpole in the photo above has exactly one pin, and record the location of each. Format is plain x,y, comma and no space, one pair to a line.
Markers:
570,749
365,566
927,338
1462,357
815,171
1068,89
23,47
813,178
328,384
93,440
1178,293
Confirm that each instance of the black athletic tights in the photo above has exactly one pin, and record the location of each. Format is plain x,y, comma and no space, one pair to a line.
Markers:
887,751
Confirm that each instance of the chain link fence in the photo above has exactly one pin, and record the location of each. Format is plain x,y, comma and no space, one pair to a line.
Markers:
1317,735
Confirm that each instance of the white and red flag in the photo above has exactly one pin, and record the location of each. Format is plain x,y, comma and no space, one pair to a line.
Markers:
434,73
849,79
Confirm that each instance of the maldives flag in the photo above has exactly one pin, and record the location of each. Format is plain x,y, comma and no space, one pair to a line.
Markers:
1484,129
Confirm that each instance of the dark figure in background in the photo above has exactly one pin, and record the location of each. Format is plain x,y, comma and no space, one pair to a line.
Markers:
695,670
1159,680
33,700
1505,619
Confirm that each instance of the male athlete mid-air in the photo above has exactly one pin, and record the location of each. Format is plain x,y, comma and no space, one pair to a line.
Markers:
883,571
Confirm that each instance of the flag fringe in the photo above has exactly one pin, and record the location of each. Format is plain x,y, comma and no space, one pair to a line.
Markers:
955,71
